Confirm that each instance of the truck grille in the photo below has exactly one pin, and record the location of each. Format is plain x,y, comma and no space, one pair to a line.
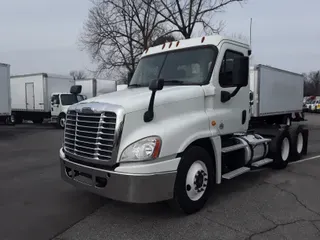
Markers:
90,135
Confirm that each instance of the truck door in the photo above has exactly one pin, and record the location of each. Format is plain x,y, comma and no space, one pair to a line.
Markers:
233,114
55,105
29,87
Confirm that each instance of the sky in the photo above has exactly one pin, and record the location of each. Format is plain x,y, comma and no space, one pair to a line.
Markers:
42,35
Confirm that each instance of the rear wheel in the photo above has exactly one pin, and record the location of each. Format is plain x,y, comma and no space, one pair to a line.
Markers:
298,142
280,149
194,180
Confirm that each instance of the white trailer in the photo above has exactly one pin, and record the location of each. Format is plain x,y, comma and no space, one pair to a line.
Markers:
277,94
41,96
94,87
5,97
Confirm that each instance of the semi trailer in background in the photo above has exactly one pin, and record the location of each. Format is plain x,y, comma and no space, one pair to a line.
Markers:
94,87
41,96
276,95
5,94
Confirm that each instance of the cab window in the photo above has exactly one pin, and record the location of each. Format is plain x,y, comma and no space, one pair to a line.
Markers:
55,99
226,70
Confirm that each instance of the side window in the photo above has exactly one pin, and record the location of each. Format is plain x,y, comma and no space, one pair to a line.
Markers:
225,75
55,99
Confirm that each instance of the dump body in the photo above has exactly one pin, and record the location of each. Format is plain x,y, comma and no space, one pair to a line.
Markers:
275,91
5,98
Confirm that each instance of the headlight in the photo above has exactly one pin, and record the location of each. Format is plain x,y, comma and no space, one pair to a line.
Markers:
144,149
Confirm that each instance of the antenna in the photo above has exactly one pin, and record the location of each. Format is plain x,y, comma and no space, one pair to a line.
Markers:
250,30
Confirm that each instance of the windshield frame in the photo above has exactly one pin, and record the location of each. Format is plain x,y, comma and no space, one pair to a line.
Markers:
207,79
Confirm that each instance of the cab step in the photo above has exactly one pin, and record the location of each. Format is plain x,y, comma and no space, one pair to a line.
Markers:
262,162
233,148
236,172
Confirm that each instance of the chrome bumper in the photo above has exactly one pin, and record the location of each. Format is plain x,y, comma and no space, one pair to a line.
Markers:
133,188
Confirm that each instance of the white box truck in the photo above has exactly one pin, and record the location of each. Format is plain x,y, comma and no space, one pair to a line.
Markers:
42,96
5,97
277,95
180,127
94,87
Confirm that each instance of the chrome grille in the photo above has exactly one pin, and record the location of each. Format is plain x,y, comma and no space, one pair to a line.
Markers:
90,135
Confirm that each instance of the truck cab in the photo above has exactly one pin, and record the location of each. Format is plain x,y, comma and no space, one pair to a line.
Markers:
181,126
60,102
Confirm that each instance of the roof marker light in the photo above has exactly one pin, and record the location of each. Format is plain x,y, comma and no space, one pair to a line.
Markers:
170,45
177,44
202,40
163,46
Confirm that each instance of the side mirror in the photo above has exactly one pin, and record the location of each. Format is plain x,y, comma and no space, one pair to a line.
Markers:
240,71
156,84
76,89
130,75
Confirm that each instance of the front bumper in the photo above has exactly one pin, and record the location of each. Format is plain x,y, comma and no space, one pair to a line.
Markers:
133,188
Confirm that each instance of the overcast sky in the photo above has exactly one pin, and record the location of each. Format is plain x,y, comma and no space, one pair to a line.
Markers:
42,35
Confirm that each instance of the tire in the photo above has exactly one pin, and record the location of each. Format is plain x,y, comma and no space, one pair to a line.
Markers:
195,169
61,121
297,138
280,149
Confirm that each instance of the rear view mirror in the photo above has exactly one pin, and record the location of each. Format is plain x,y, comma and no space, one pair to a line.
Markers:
76,89
240,71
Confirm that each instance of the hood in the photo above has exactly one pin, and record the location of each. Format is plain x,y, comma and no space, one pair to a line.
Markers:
134,99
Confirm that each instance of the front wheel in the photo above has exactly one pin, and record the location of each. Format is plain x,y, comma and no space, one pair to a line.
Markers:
61,121
194,180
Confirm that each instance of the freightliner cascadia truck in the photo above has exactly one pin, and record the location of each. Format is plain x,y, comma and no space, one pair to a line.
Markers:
194,114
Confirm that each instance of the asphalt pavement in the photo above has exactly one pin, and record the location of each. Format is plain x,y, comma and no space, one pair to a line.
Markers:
36,204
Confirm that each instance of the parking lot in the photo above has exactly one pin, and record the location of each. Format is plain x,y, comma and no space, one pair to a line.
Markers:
36,204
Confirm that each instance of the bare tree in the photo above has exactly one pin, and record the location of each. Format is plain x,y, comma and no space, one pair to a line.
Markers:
78,74
184,15
118,31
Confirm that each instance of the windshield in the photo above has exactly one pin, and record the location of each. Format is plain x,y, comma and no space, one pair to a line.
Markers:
191,66
69,99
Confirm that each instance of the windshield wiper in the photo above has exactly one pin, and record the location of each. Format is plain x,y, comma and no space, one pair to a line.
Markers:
179,82
136,85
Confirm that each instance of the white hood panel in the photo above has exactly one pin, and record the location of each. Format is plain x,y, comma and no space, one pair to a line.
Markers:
133,99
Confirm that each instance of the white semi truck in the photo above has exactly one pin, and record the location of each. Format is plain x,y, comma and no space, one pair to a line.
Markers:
5,97
186,122
42,96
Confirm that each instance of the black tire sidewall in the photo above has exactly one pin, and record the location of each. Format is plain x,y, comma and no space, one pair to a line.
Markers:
275,150
191,155
59,120
294,132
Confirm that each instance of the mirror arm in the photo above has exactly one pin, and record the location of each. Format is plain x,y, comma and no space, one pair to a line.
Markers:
226,96
148,115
